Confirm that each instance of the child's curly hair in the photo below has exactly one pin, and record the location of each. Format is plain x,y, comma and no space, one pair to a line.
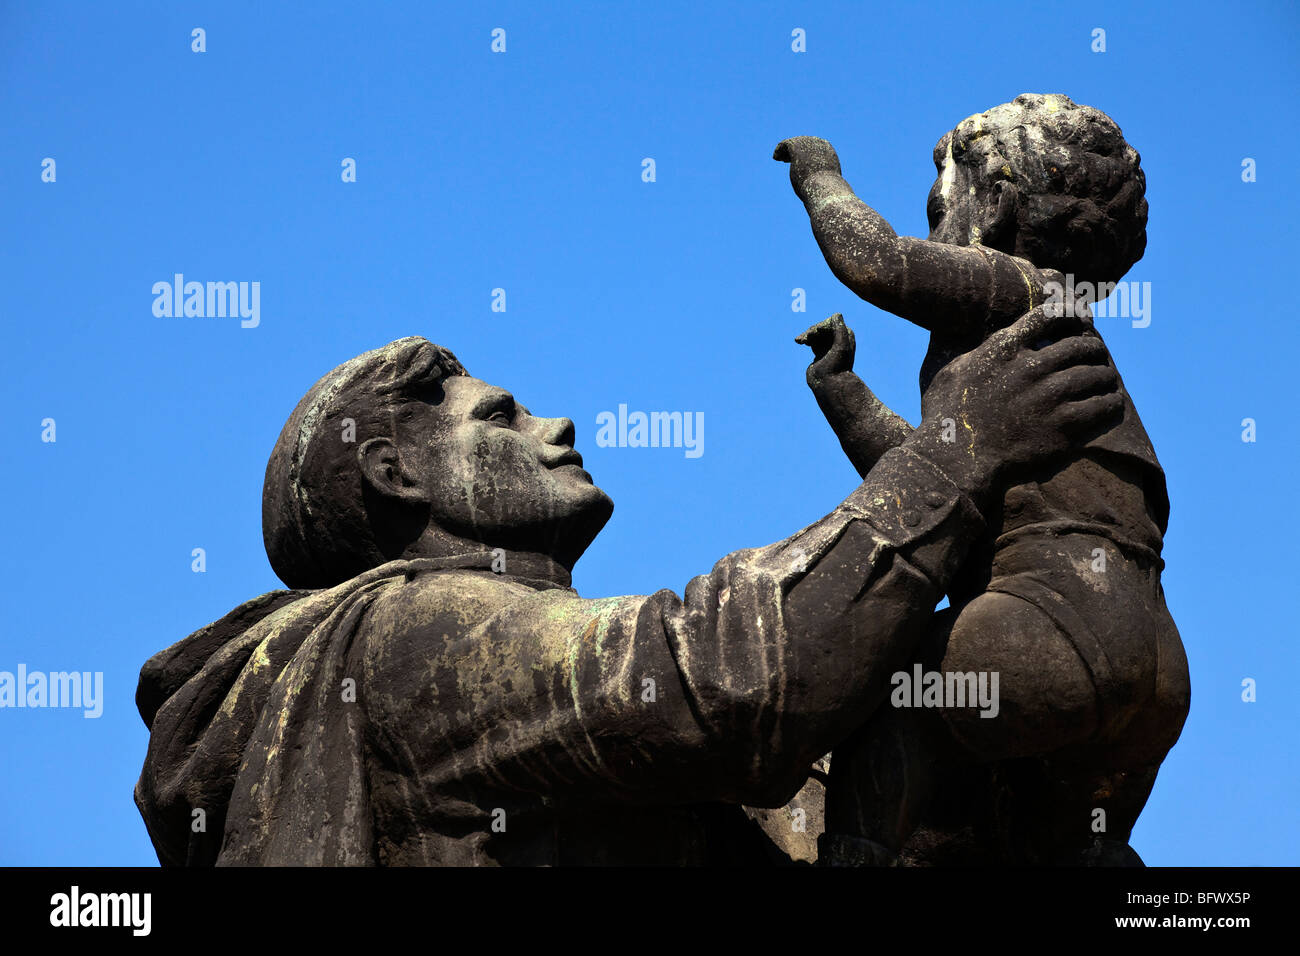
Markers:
1081,206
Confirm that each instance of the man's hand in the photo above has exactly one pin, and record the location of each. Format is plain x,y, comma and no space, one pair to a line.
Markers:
1030,392
807,156
833,347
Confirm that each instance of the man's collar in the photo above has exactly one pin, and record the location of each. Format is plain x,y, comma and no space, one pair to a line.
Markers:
538,571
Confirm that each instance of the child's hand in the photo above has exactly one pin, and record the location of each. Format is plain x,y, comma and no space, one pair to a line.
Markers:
864,425
807,156
833,348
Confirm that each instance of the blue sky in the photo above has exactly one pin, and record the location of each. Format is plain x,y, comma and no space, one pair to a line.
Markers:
522,171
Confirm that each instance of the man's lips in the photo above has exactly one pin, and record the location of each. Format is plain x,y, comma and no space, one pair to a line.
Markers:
568,457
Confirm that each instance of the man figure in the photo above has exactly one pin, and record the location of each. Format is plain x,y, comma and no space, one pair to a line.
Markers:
433,692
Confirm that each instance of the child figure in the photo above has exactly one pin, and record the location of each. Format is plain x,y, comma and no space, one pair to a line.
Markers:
1063,600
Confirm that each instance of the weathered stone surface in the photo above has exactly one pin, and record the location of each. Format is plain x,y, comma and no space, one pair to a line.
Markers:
433,691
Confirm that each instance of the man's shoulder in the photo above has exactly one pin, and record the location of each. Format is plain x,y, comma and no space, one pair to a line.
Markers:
446,606
406,600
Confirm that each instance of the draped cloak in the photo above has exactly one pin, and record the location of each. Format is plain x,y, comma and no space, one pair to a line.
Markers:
252,698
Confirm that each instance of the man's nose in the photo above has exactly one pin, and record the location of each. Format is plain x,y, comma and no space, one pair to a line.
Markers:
555,431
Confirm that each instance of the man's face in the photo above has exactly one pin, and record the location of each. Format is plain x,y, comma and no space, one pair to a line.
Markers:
498,475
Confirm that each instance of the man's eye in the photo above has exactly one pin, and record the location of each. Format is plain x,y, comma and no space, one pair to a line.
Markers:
499,418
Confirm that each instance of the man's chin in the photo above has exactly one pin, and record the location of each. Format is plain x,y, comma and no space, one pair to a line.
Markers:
595,506
590,509
576,485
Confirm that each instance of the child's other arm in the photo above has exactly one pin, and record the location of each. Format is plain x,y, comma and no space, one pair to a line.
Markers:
865,426
962,291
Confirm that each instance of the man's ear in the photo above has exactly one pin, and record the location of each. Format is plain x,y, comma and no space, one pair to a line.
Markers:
997,224
382,468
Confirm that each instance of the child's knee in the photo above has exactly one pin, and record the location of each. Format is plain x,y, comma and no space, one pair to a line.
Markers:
1045,693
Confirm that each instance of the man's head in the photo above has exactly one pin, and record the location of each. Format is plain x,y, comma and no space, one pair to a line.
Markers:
399,452
1044,179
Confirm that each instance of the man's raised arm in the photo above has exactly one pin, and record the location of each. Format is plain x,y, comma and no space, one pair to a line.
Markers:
731,690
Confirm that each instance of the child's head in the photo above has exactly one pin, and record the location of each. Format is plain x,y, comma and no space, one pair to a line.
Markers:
1044,179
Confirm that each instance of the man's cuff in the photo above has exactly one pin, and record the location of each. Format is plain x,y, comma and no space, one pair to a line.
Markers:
920,511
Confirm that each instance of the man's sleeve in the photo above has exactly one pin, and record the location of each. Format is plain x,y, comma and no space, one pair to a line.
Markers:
729,692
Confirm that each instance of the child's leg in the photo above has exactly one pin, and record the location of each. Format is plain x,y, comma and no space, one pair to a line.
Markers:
1047,696
882,779
1075,760
1098,791
904,790
939,786
947,786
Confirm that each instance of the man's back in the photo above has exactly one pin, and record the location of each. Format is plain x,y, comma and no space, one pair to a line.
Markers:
435,716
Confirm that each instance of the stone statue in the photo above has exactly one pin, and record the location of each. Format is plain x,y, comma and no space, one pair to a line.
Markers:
1062,597
431,690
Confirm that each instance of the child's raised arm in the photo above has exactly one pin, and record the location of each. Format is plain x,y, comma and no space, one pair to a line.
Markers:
963,291
865,426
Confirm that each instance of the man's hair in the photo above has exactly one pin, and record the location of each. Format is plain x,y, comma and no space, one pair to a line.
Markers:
315,523
1081,188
